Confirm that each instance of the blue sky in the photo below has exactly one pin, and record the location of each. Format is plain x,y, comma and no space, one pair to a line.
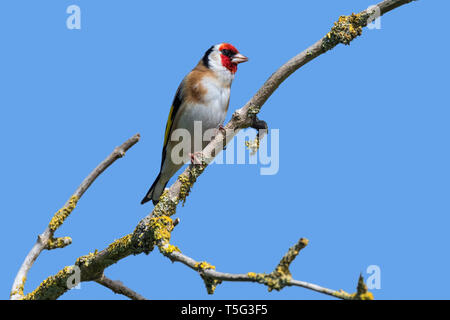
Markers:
364,144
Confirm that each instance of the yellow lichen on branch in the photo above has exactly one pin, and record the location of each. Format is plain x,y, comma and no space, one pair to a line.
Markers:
203,265
161,227
283,266
253,146
52,287
57,243
156,229
281,276
167,249
61,215
210,283
345,30
19,290
85,260
188,180
362,292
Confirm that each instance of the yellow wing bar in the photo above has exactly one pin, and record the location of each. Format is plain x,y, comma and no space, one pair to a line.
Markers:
168,126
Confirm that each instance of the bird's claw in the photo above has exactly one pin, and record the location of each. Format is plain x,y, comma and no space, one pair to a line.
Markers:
222,129
195,158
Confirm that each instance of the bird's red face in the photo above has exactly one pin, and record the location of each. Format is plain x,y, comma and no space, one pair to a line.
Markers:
230,57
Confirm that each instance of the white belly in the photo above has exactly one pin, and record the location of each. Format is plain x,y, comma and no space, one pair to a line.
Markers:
208,115
200,121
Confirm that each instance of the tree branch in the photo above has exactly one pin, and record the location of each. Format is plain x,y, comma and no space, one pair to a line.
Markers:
344,31
155,229
277,279
118,287
46,240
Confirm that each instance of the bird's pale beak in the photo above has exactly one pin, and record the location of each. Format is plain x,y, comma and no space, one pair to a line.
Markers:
239,58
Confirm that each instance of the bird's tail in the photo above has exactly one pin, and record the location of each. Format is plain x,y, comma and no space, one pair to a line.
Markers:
155,190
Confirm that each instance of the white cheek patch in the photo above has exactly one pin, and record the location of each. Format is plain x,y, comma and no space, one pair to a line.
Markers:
224,75
215,62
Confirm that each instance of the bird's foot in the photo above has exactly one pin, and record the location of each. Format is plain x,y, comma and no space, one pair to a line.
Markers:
196,157
221,128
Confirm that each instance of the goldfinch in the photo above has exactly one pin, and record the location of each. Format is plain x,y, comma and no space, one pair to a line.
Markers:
203,95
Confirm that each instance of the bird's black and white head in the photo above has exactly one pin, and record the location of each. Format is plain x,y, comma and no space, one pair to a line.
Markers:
223,58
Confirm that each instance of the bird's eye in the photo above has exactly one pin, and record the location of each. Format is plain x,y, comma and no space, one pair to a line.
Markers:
227,53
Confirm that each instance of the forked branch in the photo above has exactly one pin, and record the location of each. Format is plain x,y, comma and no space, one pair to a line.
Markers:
46,239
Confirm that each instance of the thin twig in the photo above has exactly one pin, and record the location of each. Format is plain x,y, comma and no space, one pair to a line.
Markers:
118,287
45,240
208,272
278,279
246,116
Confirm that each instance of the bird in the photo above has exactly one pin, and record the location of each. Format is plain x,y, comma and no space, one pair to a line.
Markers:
203,95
